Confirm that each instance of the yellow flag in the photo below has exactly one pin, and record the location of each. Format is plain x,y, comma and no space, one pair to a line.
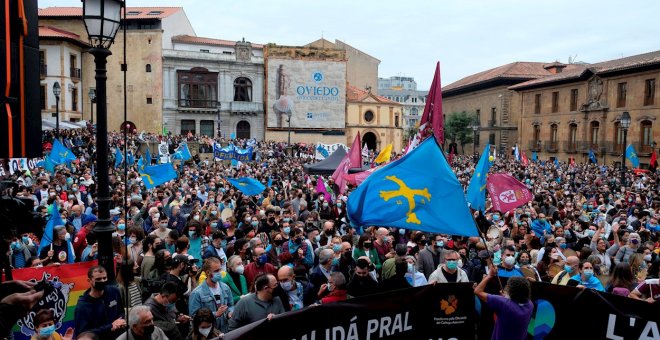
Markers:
384,155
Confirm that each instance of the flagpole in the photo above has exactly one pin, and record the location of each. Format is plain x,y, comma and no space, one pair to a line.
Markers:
482,236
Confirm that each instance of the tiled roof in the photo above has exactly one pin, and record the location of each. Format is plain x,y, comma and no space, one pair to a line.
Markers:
355,94
578,70
56,33
516,70
207,41
131,12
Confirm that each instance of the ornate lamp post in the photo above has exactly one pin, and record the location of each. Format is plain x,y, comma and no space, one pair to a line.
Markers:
475,128
92,100
625,124
102,20
57,90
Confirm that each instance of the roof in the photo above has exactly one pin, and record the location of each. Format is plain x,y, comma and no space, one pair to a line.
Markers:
354,94
579,70
513,71
131,12
48,32
207,41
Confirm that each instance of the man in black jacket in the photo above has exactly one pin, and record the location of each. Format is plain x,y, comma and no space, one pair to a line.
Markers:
294,294
362,283
100,310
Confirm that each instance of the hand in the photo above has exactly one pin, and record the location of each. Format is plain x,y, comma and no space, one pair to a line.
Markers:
69,334
270,316
580,286
221,310
50,254
324,287
650,300
492,270
18,285
300,252
183,318
27,300
117,324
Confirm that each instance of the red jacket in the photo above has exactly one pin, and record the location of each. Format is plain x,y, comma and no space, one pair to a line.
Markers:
80,241
252,271
334,296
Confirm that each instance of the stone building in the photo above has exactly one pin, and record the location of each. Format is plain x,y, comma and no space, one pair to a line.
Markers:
60,60
149,32
377,118
412,102
487,95
397,83
569,113
213,87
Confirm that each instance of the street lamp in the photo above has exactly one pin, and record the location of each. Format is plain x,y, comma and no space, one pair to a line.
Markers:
102,19
289,148
92,100
475,128
625,124
57,90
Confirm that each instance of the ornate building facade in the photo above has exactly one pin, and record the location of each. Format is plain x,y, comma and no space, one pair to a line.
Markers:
569,113
378,119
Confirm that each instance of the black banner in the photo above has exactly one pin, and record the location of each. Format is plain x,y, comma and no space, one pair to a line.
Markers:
442,311
562,312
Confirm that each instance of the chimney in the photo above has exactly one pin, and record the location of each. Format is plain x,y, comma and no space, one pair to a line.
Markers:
555,67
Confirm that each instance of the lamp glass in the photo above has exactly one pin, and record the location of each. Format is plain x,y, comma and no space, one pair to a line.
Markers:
102,18
92,94
625,120
57,90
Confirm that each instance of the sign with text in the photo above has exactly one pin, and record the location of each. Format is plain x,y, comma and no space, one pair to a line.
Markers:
324,151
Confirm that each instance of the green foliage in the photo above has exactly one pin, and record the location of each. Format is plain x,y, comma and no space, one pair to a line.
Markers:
458,127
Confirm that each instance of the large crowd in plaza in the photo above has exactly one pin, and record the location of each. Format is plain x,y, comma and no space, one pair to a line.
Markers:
196,258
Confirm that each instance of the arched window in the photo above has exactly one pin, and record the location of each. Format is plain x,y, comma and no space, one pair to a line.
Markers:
414,111
646,138
537,134
618,137
594,128
148,68
242,90
572,137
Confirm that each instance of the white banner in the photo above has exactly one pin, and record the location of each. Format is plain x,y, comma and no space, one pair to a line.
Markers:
163,152
323,151
16,164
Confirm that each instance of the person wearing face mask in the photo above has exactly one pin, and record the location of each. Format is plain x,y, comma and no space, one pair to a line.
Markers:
431,256
277,247
100,309
365,247
328,233
162,306
203,326
60,251
586,277
262,304
79,242
258,266
176,221
449,271
217,248
388,266
235,279
22,250
193,230
624,254
294,294
44,322
151,220
213,294
141,326
507,268
415,278
76,217
571,267
187,206
162,229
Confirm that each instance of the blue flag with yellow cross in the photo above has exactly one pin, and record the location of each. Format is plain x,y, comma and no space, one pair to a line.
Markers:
418,191
476,192
156,175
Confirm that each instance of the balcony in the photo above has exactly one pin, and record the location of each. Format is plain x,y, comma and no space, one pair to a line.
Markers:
643,150
198,103
570,146
551,146
492,123
43,71
614,148
535,145
242,107
75,74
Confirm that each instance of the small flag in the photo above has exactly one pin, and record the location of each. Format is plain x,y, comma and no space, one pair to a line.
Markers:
320,188
476,192
631,155
365,150
592,157
182,152
60,154
118,157
353,159
654,160
384,155
156,175
524,159
516,152
247,185
506,192
535,156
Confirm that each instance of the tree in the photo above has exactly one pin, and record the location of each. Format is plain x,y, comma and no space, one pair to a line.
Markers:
458,128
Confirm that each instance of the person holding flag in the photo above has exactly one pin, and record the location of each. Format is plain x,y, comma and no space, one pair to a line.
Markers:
592,157
476,192
55,247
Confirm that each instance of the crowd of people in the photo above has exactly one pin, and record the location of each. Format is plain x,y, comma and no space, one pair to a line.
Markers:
196,258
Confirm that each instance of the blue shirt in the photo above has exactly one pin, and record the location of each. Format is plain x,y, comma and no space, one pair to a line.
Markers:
592,283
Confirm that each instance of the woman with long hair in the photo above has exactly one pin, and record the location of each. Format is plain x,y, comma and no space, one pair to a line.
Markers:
203,326
128,284
622,281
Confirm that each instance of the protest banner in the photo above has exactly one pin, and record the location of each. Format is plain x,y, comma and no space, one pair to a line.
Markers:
442,311
232,152
323,151
69,282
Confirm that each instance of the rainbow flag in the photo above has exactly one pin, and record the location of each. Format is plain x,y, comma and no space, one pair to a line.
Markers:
69,282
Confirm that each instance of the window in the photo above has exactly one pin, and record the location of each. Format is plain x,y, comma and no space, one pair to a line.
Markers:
594,127
491,138
574,99
414,111
572,137
368,116
148,68
43,69
396,120
74,99
133,12
205,51
537,137
73,67
155,13
555,102
242,90
42,97
649,91
149,100
537,103
646,138
622,90
553,135
310,115
493,117
414,99
187,126
227,52
476,138
198,88
206,128
478,113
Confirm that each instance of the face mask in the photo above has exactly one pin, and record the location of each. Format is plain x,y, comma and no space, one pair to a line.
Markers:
386,239
47,331
286,285
239,269
205,331
590,233
67,236
325,204
440,244
367,245
25,239
148,330
214,212
524,262
648,258
329,287
402,231
634,241
568,268
255,223
452,264
121,226
191,233
335,262
411,268
317,238
588,273
261,260
542,220
336,248
496,217
563,246
132,240
163,225
196,217
214,225
100,285
156,216
287,219
287,230
339,204
217,277
510,260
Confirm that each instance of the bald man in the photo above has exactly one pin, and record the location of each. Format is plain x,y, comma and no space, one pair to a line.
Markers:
76,217
571,268
383,244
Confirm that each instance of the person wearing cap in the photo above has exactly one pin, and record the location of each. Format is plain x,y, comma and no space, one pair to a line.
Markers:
80,241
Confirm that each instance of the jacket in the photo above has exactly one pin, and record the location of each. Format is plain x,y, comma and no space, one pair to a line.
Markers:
210,251
164,318
97,314
334,296
158,334
373,256
439,277
202,297
425,263
250,309
252,271
236,292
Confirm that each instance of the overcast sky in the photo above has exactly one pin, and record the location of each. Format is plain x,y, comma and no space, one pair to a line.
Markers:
410,36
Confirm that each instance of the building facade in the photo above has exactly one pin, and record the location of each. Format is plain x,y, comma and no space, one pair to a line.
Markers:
487,96
149,31
397,83
213,87
567,114
60,60
412,103
377,118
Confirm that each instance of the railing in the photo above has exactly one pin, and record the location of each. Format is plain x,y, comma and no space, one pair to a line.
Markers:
235,106
535,145
75,73
571,146
198,103
492,123
43,70
551,146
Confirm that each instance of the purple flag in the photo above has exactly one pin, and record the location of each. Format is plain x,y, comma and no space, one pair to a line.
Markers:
507,193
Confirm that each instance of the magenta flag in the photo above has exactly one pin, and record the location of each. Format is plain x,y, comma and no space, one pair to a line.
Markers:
320,188
432,116
353,159
507,193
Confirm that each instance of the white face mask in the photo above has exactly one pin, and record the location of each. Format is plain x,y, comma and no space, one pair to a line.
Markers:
205,331
239,269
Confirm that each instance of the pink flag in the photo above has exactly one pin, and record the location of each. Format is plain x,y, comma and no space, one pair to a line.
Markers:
320,188
506,192
432,116
353,159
